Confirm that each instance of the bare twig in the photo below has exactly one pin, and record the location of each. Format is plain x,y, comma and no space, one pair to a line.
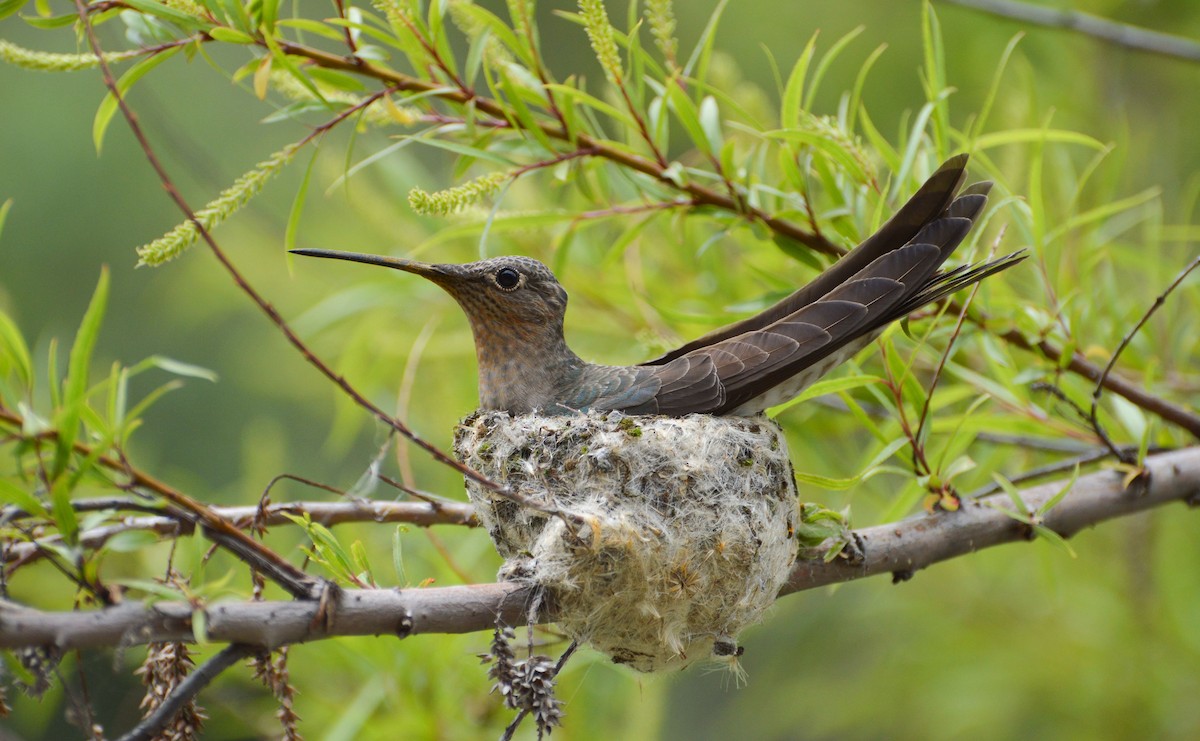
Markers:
153,724
1158,302
421,514
1112,32
904,546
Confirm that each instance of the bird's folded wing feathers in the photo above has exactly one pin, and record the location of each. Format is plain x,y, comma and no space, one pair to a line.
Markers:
930,201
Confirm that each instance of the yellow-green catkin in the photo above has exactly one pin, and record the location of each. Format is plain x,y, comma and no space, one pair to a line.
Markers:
399,16
19,56
521,13
173,243
661,17
600,33
185,6
494,51
453,200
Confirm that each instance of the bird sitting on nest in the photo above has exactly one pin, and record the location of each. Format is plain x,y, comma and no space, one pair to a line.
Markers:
516,308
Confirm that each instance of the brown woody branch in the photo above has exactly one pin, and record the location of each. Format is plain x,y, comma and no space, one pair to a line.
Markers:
899,548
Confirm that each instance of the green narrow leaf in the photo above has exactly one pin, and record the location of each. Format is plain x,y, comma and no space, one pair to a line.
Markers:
710,123
826,61
108,106
293,222
935,77
576,95
516,99
230,35
465,150
1053,501
62,511
316,28
1014,494
76,384
4,209
702,54
361,562
8,7
270,12
821,388
14,353
685,112
287,64
791,108
398,555
165,12
180,368
855,103
15,495
1054,538
989,100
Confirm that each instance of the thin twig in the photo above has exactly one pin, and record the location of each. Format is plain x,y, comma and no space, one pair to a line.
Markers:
1158,302
1112,32
153,724
958,325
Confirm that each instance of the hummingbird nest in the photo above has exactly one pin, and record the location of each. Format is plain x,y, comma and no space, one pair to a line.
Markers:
657,539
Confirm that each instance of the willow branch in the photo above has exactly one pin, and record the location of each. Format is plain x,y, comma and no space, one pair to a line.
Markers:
704,195
1112,32
897,548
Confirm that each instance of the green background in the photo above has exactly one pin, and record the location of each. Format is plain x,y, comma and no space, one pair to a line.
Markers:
1020,641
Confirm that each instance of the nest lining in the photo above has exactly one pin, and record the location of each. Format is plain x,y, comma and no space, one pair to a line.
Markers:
692,524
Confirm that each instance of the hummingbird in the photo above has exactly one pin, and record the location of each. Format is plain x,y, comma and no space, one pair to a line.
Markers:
516,307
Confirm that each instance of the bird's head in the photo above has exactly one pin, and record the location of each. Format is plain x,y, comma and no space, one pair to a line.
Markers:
500,294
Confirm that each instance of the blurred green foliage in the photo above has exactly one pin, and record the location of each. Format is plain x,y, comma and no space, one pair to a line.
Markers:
1094,157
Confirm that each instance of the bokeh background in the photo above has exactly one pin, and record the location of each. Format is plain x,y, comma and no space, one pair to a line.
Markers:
1020,641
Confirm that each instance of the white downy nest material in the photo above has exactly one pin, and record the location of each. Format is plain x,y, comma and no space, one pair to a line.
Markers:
689,528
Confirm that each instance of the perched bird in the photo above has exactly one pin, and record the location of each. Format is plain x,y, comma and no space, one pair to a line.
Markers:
516,307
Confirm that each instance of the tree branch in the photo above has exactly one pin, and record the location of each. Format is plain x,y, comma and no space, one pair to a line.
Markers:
1120,34
898,548
421,514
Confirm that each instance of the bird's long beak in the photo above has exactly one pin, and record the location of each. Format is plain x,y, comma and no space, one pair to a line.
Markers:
436,273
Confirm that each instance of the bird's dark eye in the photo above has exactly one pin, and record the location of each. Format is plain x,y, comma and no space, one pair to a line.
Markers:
507,278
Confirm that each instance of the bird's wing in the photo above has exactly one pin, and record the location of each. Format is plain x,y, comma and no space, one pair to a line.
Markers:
686,385
889,287
929,202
